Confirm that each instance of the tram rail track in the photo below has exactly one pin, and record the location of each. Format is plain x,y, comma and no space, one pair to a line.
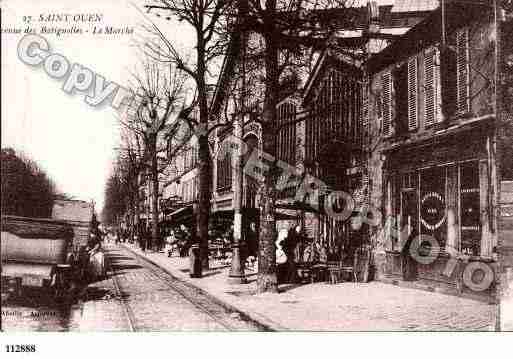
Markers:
127,310
203,302
174,284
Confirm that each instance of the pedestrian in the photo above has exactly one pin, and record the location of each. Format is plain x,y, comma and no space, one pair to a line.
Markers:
289,245
148,239
170,243
161,238
142,239
281,257
252,240
409,264
96,263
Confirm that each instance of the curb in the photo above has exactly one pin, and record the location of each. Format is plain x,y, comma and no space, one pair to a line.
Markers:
264,323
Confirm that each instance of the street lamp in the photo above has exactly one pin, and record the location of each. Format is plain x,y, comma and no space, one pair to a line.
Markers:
236,274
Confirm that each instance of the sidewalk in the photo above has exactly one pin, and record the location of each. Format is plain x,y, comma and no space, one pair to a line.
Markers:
346,306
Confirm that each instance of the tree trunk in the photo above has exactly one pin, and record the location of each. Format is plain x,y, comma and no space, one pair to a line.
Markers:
267,280
203,200
204,175
137,208
155,192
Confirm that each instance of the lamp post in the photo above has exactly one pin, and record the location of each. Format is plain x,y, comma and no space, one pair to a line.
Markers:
236,274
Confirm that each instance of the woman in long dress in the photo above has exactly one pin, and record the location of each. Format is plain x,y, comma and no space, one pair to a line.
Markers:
96,265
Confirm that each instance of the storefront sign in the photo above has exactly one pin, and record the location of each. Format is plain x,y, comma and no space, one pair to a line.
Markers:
432,209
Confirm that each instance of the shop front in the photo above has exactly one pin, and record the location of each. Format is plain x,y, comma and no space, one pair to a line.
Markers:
440,192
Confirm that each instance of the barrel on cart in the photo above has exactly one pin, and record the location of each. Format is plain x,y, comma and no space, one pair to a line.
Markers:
46,252
36,252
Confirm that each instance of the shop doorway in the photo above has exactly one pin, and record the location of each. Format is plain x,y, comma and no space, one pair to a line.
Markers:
409,219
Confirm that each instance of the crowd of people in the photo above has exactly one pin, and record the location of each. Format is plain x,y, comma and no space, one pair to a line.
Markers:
293,246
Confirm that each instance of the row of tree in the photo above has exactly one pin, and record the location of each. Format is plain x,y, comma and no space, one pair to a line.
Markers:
26,189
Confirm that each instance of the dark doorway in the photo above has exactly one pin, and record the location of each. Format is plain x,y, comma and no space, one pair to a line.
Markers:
409,219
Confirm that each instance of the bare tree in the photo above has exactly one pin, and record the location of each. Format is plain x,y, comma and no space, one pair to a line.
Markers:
158,94
129,167
208,20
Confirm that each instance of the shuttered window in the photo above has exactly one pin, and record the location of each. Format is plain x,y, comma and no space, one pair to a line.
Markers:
412,93
430,88
386,82
365,107
448,73
462,65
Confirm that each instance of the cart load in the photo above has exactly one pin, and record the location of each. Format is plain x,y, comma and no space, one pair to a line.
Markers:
35,252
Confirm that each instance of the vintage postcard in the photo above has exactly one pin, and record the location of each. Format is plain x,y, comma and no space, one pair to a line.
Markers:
218,165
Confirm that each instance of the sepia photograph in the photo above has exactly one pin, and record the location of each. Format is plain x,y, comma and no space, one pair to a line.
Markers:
256,166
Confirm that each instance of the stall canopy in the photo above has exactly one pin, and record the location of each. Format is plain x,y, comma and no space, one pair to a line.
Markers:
252,213
181,215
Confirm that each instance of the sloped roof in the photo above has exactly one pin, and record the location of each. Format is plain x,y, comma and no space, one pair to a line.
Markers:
72,210
227,70
427,32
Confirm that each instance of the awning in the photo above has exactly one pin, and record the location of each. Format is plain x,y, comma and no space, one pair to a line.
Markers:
181,215
253,212
285,217
229,213
296,206
306,207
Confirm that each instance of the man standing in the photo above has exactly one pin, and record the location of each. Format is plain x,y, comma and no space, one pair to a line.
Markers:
289,245
252,240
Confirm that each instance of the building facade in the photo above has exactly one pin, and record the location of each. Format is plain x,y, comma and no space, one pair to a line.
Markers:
432,150
405,123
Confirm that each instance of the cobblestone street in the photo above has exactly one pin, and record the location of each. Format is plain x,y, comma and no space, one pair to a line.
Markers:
135,296
346,306
141,297
152,292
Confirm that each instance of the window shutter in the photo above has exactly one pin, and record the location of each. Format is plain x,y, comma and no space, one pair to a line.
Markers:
462,64
412,93
365,107
386,82
430,90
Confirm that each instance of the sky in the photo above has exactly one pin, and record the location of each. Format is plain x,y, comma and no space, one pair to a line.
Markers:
72,141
